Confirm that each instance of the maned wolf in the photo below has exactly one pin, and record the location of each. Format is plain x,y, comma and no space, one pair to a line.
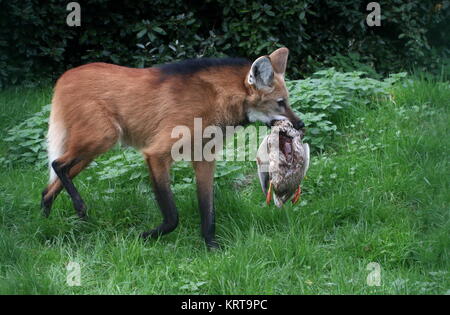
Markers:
97,104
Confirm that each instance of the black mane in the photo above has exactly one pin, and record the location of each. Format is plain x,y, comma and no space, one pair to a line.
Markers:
191,66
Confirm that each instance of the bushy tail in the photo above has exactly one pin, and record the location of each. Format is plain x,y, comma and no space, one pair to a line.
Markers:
55,142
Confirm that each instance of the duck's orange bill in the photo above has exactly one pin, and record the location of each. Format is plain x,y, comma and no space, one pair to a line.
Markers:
269,194
297,194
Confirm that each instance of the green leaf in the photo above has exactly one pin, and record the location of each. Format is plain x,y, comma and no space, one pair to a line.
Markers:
141,33
159,30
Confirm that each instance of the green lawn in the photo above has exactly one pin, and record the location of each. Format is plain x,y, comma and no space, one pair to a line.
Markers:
379,193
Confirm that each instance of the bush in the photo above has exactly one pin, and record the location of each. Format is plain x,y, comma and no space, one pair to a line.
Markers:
26,141
319,99
36,43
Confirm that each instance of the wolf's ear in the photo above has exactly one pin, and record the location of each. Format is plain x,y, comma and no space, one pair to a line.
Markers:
261,73
279,60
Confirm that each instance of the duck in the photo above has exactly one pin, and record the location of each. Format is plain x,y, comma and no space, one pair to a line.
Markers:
282,160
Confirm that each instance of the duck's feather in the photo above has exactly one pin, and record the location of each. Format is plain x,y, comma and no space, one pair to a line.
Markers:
262,161
264,181
306,162
283,160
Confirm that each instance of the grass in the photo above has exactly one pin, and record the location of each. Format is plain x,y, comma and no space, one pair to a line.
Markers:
379,193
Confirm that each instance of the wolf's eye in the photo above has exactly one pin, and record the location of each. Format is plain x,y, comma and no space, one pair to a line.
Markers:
281,103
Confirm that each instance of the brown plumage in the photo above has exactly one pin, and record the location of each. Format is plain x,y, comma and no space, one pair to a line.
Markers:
282,160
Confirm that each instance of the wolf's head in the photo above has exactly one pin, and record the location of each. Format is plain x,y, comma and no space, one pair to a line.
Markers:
268,98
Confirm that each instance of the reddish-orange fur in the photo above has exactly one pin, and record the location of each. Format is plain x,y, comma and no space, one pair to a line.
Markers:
100,103
94,100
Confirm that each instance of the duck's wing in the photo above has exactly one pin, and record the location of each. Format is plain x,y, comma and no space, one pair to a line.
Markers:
264,181
262,160
306,165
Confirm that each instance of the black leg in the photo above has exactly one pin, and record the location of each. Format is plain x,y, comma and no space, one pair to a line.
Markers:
161,186
205,193
63,173
46,204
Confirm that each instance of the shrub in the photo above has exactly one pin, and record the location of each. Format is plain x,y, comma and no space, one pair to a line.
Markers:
320,98
36,43
26,141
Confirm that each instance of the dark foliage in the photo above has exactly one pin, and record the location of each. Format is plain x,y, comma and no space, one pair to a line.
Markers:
36,43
